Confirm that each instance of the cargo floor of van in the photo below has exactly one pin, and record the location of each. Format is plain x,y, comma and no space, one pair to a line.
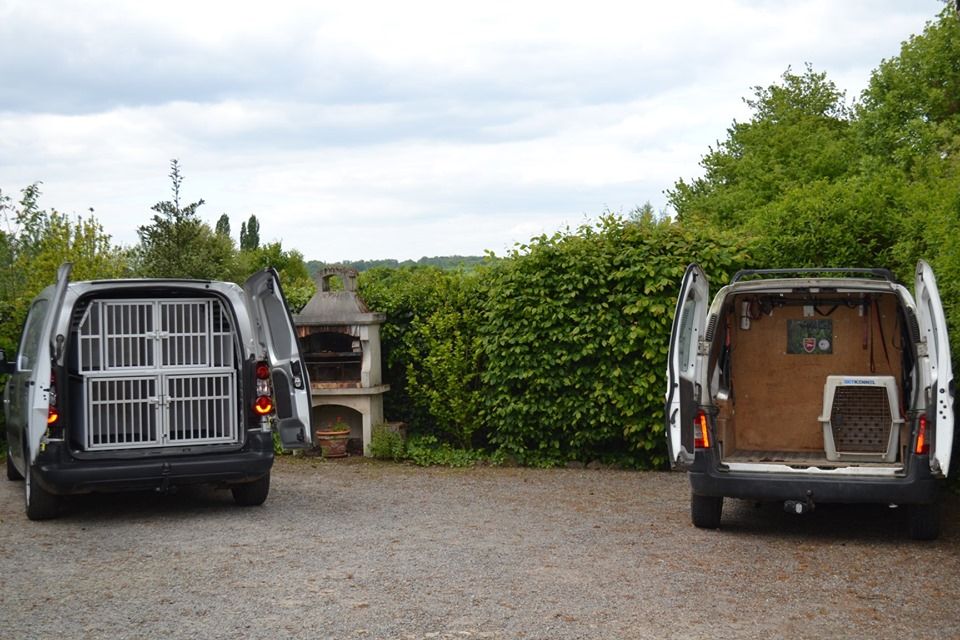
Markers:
800,459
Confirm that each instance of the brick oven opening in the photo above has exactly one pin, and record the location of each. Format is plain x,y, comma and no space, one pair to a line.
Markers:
333,355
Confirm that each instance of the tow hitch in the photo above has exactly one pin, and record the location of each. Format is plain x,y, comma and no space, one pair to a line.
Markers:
800,507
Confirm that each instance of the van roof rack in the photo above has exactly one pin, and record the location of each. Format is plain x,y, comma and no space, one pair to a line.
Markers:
879,274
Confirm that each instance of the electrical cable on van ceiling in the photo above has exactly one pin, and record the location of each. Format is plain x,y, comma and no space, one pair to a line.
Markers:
866,327
883,340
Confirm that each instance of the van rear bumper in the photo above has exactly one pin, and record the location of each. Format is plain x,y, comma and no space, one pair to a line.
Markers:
917,486
60,473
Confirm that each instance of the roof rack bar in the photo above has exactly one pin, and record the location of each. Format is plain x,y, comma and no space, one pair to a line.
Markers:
883,274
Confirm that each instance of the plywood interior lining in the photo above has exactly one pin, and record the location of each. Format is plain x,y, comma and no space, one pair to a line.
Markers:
776,397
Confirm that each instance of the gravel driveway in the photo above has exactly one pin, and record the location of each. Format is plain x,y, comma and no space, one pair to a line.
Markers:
360,549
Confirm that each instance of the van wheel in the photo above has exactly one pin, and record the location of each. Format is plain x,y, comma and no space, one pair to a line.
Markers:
12,473
252,494
40,503
924,521
705,511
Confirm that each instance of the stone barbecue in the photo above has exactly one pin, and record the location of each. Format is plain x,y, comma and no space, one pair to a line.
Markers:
340,342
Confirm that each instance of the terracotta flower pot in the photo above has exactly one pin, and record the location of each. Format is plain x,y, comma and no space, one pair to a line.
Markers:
333,444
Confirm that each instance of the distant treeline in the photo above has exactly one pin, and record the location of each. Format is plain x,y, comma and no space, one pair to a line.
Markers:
466,263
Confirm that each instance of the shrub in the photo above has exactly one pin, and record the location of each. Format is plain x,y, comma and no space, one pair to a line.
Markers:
386,444
429,451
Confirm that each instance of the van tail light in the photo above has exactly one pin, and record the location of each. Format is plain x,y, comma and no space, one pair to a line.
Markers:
54,428
263,405
923,445
701,434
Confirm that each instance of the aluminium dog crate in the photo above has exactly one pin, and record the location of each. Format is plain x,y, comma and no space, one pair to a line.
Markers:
157,372
861,418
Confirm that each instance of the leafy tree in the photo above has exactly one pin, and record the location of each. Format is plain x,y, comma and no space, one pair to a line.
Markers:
177,244
10,279
36,243
644,213
223,225
908,124
799,132
793,181
810,181
250,234
910,111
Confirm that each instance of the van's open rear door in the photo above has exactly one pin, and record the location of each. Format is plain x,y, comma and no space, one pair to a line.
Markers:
38,401
933,329
291,386
689,321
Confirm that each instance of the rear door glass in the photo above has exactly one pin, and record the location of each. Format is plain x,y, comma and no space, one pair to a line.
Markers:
685,345
32,335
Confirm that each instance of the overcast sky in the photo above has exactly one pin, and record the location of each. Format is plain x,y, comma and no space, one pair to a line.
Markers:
400,129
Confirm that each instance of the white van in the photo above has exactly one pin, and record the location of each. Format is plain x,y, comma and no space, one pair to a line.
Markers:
151,384
811,386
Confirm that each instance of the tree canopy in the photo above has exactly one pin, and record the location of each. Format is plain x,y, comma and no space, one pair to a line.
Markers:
250,234
178,244
223,225
813,181
799,133
34,245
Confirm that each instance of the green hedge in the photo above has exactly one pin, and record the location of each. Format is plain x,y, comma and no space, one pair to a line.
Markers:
429,348
576,334
554,354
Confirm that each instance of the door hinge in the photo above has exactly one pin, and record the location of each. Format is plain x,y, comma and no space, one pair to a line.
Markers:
922,349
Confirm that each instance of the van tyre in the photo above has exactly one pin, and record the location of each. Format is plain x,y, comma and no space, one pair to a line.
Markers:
252,494
705,511
924,521
12,473
40,503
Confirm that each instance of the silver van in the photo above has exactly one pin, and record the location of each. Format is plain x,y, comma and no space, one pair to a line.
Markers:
811,386
152,384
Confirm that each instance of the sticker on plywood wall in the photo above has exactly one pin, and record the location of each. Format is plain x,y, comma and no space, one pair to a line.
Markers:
810,336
